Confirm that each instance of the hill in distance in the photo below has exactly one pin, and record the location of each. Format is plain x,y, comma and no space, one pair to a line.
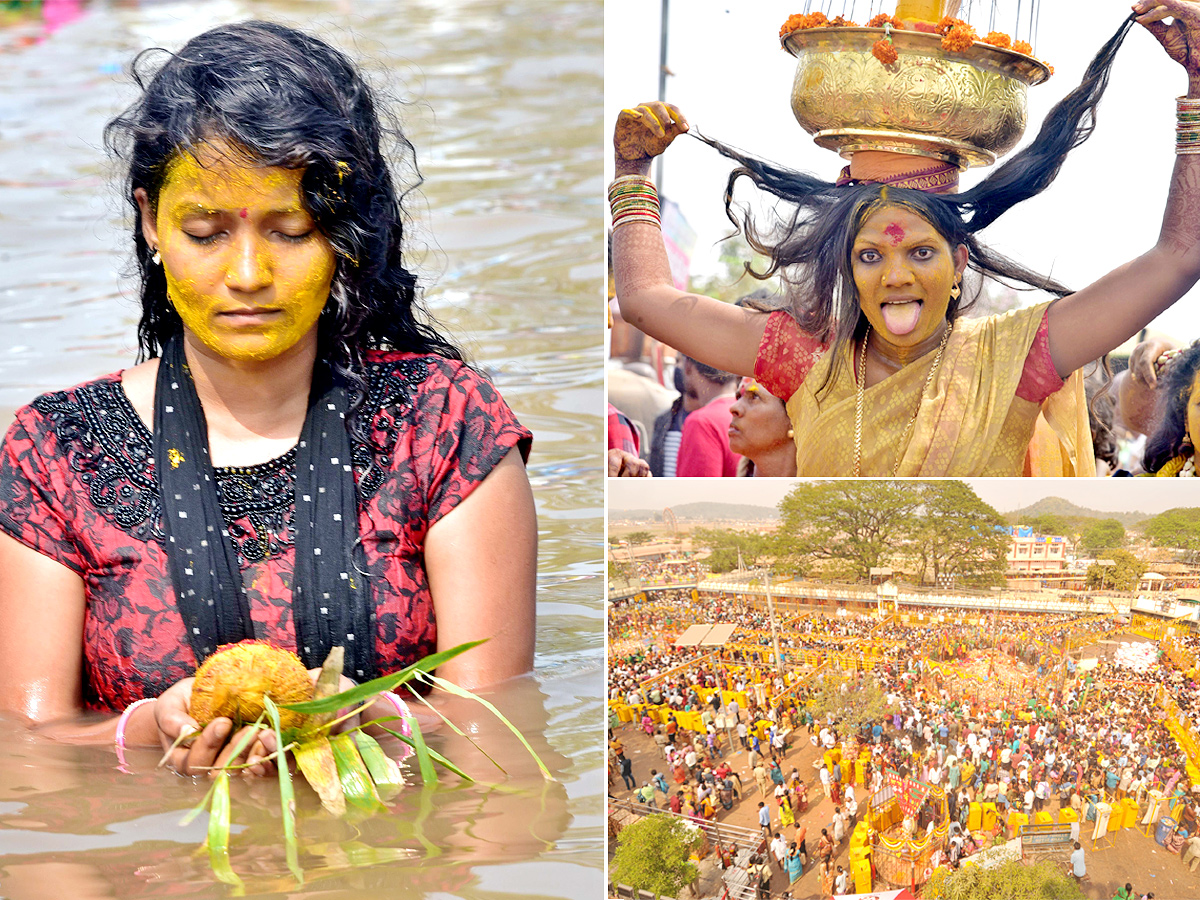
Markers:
1059,507
700,512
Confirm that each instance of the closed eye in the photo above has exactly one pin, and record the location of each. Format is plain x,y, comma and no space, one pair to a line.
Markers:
203,238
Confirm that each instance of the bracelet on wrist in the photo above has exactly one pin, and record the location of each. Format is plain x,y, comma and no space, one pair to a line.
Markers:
122,722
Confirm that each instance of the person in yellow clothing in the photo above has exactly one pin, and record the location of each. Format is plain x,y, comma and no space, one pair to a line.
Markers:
883,374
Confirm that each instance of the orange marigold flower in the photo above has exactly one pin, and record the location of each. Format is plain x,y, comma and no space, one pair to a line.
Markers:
882,18
884,51
998,39
959,38
842,22
946,23
792,24
816,20
1023,47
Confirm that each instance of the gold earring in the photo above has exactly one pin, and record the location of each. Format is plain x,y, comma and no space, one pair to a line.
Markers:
156,259
791,434
955,291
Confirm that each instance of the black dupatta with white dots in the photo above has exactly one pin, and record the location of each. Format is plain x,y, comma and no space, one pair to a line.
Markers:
330,597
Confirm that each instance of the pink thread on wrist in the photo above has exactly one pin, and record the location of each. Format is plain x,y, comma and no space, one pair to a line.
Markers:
405,729
402,711
121,723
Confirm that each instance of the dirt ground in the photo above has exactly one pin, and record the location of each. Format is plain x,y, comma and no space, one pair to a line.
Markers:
1133,857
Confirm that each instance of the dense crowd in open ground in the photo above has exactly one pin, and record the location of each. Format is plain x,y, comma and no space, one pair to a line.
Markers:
989,715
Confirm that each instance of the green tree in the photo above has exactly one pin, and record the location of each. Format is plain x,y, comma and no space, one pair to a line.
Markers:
857,523
1178,529
1104,534
1040,881
725,546
619,571
1123,575
652,855
639,537
853,701
957,534
1048,523
733,283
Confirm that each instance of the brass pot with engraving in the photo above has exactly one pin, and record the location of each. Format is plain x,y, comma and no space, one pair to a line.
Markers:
967,108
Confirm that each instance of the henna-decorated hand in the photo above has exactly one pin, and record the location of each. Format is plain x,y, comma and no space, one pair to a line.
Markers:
647,131
1181,39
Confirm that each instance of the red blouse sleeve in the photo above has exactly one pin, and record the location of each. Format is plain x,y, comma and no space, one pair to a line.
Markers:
785,356
465,428
1038,378
31,506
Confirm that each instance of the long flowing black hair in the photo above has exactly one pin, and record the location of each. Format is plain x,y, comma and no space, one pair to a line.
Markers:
284,99
810,246
1170,438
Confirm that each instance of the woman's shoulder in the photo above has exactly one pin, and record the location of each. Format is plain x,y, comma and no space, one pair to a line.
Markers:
55,411
399,377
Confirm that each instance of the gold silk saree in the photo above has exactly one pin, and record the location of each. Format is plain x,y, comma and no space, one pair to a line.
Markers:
969,422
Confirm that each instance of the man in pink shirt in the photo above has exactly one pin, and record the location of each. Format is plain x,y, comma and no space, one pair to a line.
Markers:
704,446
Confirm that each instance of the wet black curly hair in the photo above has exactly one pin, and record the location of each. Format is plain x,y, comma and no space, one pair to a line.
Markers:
286,99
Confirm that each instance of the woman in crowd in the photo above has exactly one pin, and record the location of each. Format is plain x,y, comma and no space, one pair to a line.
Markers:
1170,449
299,458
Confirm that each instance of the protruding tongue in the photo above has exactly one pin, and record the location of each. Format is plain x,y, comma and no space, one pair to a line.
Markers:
901,318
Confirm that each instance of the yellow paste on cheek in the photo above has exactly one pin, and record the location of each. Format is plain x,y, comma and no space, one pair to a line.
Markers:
248,265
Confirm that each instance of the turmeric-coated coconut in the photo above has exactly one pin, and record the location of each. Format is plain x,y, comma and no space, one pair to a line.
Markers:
233,681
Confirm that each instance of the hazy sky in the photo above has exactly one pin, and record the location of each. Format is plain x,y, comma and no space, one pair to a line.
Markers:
733,82
1148,495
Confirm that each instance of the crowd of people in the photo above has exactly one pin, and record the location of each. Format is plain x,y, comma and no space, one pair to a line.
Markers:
1067,736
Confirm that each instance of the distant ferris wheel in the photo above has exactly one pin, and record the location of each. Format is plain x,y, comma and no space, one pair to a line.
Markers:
670,521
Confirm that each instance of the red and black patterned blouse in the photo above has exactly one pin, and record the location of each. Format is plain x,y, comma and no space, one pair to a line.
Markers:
77,483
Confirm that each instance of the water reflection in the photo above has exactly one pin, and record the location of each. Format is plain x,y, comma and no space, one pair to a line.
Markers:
502,103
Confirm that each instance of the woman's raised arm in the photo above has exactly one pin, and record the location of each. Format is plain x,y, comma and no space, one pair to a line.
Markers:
718,334
1100,317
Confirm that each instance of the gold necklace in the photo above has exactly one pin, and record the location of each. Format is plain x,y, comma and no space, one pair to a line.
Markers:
860,391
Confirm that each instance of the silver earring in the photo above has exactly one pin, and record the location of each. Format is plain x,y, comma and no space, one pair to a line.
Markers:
156,259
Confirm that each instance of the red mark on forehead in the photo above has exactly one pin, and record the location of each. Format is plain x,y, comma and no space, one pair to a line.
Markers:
895,232
243,213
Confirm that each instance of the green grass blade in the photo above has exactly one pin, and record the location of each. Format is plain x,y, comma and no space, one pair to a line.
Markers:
352,772
384,770
434,755
242,743
365,691
453,688
287,797
456,729
218,834
199,807
424,759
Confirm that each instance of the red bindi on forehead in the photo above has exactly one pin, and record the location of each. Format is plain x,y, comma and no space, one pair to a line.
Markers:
243,213
896,232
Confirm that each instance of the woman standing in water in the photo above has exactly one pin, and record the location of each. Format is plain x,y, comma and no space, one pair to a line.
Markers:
881,373
300,458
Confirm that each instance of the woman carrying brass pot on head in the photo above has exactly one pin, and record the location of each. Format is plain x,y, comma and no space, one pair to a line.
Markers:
882,373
